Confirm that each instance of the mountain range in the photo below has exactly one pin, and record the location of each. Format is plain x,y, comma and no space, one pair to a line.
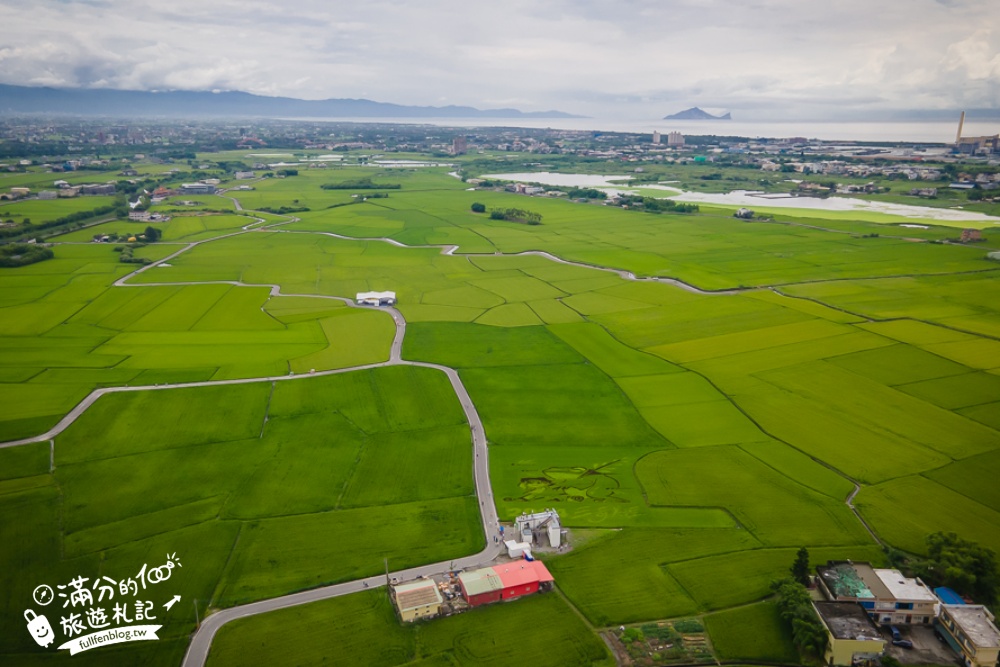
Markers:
104,102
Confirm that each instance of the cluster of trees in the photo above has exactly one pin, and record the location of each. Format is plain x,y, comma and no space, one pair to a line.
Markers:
586,193
651,205
795,606
361,184
478,208
960,564
516,215
232,165
126,254
152,234
22,254
283,210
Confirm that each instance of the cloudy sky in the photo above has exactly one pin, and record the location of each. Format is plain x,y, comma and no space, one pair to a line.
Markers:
760,59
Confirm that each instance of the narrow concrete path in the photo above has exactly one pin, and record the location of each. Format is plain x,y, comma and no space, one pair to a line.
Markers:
850,505
201,642
453,250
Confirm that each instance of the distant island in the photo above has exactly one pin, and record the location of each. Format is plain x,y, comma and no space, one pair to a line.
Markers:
104,102
694,113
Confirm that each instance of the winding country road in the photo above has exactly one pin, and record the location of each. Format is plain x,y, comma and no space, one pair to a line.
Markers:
201,642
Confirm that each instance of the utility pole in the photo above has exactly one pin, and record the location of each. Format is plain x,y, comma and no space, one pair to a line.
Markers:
386,560
197,622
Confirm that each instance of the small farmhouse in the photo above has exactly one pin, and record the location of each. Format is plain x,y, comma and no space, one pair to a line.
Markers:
376,298
853,637
417,599
970,631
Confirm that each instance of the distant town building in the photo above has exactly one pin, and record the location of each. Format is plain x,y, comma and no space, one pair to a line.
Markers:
656,137
459,146
417,599
97,189
48,194
968,235
146,216
197,189
241,175
973,145
675,139
853,638
743,214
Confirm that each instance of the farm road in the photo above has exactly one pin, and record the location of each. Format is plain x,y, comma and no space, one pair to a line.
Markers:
198,650
453,250
201,643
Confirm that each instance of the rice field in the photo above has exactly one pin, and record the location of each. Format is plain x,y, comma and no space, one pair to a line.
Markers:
718,477
705,438
241,481
754,633
629,575
362,628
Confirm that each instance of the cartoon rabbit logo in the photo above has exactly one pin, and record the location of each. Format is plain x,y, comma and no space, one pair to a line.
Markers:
39,628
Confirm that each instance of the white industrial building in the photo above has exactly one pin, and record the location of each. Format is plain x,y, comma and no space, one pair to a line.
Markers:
528,526
376,298
197,189
517,549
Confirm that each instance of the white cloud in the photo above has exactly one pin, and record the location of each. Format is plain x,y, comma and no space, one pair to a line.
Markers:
630,57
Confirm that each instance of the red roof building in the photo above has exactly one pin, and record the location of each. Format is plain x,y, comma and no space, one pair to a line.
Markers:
480,586
504,582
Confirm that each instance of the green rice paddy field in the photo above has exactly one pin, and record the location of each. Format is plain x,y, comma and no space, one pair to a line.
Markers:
261,488
703,438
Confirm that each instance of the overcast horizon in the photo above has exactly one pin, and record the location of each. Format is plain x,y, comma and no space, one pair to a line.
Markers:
766,59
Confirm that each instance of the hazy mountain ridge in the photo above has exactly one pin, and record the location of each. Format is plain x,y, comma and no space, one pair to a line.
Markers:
101,102
694,113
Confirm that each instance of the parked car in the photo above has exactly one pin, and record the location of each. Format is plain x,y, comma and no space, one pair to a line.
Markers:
895,634
902,643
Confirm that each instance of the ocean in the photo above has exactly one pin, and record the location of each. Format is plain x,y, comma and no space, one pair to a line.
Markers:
918,132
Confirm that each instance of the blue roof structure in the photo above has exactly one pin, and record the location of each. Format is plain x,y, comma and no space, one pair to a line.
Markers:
948,596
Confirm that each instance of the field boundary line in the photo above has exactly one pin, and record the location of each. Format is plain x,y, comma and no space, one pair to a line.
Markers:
850,497
197,652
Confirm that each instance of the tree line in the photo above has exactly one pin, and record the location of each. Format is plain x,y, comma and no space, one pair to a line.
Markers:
22,254
516,215
361,184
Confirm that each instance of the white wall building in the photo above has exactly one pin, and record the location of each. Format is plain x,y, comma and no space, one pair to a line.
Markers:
376,298
528,526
